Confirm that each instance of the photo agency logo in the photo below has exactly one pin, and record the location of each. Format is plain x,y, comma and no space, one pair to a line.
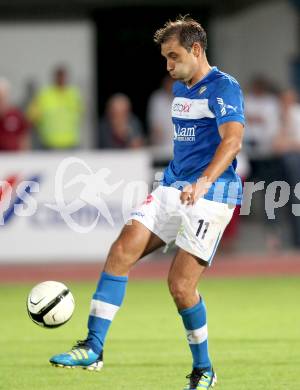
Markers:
93,190
277,194
94,186
17,197
96,190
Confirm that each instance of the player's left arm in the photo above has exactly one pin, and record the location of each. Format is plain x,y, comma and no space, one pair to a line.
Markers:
232,135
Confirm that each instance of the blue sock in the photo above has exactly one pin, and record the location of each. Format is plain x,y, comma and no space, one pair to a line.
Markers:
104,306
194,320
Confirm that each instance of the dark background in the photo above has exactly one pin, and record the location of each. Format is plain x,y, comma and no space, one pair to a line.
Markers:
127,60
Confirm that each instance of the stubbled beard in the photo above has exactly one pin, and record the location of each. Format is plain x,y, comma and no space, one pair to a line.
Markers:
180,78
183,79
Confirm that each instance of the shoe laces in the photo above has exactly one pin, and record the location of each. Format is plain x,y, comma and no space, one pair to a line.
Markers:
84,344
195,377
81,344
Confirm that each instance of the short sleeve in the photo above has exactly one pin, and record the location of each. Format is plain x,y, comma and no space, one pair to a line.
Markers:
227,102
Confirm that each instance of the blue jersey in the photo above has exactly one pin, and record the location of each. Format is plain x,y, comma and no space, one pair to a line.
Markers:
196,114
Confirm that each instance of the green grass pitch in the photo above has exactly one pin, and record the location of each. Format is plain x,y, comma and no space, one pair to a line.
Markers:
254,333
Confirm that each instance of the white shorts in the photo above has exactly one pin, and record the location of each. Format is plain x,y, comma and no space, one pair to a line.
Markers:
197,229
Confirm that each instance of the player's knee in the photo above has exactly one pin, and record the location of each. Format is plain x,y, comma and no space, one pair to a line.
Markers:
119,255
117,248
179,289
118,251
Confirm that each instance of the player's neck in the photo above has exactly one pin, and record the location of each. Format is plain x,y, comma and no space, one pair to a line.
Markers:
204,69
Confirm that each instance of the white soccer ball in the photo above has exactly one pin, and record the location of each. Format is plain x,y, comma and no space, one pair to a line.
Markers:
50,304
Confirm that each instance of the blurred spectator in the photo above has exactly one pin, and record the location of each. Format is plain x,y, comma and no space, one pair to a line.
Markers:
262,127
56,112
160,124
288,139
14,134
287,145
120,128
262,120
30,90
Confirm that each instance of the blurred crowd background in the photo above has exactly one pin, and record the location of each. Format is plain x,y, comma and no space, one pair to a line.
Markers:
85,75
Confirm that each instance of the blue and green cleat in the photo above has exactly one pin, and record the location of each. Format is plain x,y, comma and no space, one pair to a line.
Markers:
81,355
201,380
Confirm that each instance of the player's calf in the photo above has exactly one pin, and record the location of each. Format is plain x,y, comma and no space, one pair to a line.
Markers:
183,279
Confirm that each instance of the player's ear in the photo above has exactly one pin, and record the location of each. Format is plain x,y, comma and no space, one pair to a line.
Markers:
196,49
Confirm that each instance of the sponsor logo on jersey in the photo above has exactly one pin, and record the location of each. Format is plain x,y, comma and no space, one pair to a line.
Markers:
182,108
186,134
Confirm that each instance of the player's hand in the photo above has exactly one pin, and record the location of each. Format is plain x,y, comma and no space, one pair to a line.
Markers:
192,192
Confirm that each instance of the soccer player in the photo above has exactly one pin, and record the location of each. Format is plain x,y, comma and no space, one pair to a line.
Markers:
192,206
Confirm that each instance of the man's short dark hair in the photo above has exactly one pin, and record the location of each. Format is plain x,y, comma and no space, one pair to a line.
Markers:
185,29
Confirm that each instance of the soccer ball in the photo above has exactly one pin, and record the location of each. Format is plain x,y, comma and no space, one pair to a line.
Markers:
50,304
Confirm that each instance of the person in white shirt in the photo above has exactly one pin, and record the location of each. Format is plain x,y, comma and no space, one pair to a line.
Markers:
158,114
262,111
287,146
262,120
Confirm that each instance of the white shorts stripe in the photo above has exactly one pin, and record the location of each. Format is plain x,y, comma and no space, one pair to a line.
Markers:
197,336
104,310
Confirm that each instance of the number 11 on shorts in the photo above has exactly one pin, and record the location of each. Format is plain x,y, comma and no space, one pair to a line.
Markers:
206,225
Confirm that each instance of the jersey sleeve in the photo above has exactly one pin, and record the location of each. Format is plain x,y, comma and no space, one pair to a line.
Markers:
227,102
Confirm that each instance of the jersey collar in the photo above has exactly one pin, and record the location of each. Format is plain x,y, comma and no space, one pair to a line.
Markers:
204,79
